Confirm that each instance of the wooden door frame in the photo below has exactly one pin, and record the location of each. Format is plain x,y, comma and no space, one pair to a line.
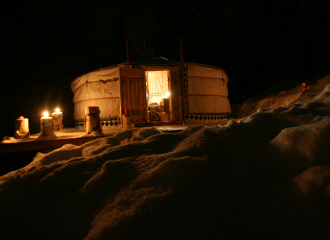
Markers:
132,76
179,94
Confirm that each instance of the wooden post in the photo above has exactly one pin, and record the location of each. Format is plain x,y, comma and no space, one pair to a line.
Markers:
182,79
127,55
144,48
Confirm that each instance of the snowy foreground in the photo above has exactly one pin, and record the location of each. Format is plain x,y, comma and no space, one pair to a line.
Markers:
265,176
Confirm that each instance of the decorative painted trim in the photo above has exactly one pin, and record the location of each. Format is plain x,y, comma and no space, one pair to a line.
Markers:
202,117
185,101
105,123
80,124
110,123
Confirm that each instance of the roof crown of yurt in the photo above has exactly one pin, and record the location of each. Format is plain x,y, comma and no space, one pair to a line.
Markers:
153,90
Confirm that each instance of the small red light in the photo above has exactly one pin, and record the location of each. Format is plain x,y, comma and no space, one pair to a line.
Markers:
21,117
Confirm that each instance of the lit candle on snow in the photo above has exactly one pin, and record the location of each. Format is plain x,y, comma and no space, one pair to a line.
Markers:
45,121
57,117
45,116
22,127
57,111
94,110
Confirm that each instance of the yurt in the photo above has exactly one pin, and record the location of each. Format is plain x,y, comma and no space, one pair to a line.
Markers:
153,91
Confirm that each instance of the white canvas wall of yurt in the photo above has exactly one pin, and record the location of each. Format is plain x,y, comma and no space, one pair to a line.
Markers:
206,93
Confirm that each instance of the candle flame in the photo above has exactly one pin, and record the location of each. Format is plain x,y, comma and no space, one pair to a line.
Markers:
92,105
21,117
57,110
45,114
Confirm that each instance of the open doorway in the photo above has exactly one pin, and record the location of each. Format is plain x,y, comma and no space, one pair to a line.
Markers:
157,83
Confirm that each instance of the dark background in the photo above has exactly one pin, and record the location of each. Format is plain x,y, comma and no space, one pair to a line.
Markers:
46,44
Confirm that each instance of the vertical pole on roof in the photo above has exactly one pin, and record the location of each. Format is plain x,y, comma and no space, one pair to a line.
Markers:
144,48
182,80
127,55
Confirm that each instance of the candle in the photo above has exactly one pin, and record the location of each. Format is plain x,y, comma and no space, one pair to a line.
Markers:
57,111
92,119
45,116
57,118
166,95
22,127
45,121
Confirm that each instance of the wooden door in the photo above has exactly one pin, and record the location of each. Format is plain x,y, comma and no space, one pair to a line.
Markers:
175,96
133,93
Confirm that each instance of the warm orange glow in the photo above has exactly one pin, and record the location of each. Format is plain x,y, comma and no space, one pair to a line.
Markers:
166,95
157,82
57,111
45,114
21,117
92,105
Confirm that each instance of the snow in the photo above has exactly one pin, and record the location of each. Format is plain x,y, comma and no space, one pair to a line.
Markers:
63,134
94,134
81,133
47,134
272,98
264,176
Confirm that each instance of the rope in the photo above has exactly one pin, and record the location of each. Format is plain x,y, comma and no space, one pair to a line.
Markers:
242,94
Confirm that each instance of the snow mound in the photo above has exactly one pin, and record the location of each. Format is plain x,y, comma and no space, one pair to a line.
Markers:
46,134
264,176
276,99
92,134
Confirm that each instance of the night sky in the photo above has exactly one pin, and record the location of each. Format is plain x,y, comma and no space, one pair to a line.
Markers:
46,44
